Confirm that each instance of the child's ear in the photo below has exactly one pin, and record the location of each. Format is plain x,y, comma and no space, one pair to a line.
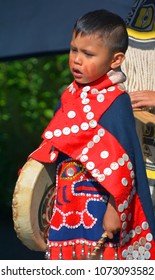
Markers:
117,60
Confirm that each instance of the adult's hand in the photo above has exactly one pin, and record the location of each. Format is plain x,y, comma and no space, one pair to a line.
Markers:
142,98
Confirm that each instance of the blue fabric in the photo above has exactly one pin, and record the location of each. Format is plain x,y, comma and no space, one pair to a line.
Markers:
121,124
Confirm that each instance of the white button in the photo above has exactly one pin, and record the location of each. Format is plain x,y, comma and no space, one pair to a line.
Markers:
135,254
86,108
145,225
120,207
121,161
90,165
95,173
124,182
132,233
142,241
125,203
149,237
124,225
141,250
83,94
123,215
71,114
100,97
57,133
52,156
66,130
136,245
104,154
93,123
85,101
90,144
123,233
84,126
94,90
85,151
75,128
124,253
101,132
129,165
107,171
111,88
114,166
48,134
70,172
96,139
125,157
138,229
147,255
101,177
132,174
127,238
123,242
87,88
148,246
90,116
130,249
84,158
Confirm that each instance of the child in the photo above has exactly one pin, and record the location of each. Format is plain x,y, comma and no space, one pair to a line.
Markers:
100,177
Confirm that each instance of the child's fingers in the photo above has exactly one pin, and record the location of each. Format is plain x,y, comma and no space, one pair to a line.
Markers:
110,235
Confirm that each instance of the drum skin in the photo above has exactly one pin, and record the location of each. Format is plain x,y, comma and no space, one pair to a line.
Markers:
32,204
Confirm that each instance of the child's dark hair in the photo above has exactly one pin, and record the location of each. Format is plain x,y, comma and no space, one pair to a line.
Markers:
107,25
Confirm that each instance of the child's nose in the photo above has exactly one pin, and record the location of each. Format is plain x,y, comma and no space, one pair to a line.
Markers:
78,59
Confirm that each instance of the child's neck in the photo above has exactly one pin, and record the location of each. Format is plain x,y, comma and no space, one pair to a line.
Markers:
93,83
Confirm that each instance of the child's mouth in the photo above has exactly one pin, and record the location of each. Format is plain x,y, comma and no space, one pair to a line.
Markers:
77,73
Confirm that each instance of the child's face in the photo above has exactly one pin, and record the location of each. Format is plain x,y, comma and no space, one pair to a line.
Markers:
89,58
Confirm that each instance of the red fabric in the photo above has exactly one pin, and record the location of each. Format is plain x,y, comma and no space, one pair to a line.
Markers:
67,253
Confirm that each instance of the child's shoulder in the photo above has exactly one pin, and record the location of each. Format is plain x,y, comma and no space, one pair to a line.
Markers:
120,111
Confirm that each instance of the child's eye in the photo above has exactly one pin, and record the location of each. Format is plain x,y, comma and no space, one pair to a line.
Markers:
89,54
72,49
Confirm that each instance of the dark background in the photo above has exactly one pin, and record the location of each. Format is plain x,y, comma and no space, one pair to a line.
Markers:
29,27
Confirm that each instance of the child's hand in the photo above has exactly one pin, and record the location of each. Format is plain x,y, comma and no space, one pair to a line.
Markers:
111,221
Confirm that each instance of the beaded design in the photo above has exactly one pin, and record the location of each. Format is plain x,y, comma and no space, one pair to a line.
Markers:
77,194
84,248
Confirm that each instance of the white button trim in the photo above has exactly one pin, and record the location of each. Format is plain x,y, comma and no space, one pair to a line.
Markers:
71,114
66,130
104,154
48,134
